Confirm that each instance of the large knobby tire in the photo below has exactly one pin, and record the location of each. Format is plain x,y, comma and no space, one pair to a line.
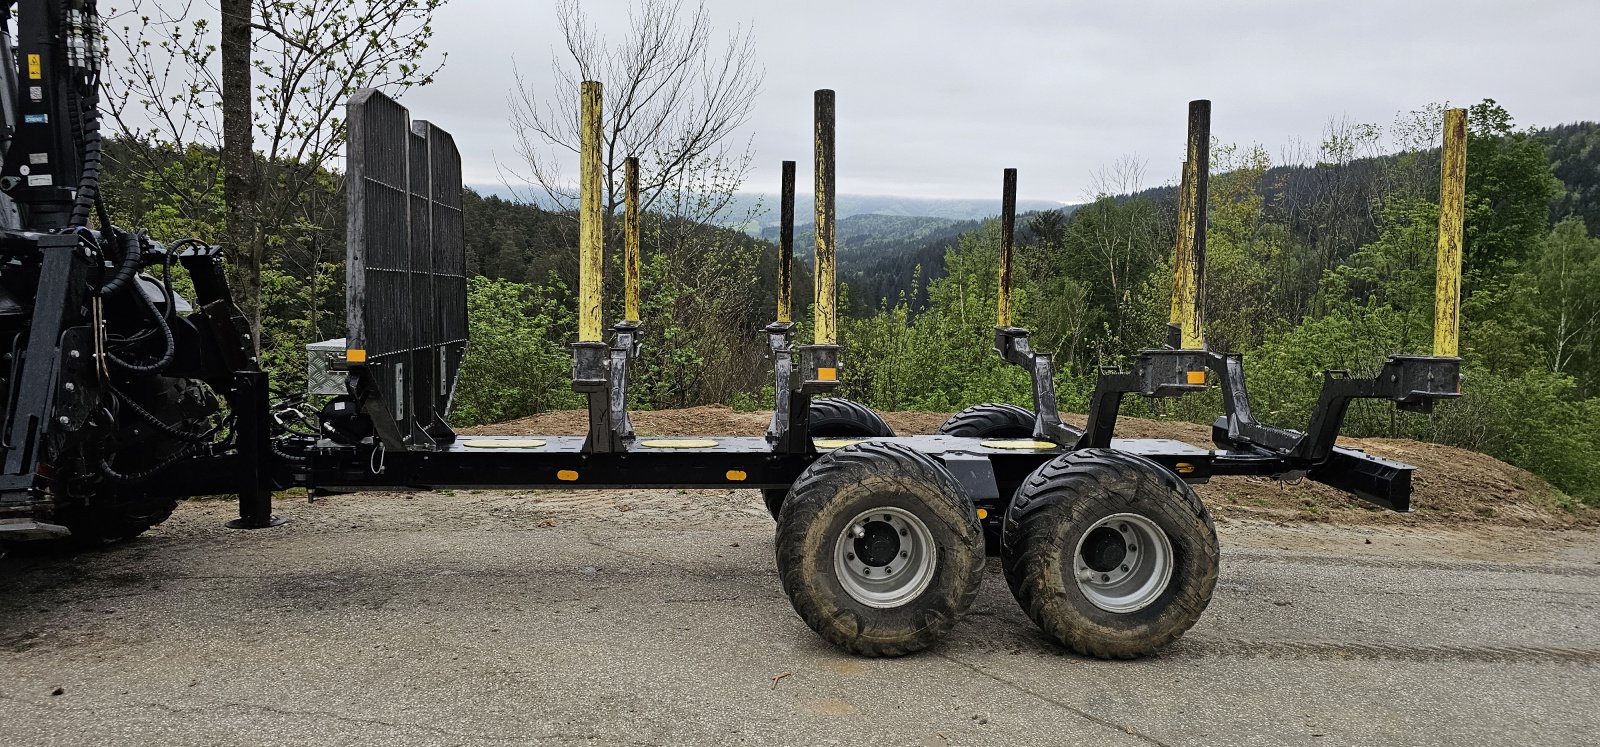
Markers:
834,417
1089,539
858,516
990,420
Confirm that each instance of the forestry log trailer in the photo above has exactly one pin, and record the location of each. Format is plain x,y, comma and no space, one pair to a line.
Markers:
881,540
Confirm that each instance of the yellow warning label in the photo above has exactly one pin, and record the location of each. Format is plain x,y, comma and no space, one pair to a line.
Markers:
505,443
1022,443
35,70
678,443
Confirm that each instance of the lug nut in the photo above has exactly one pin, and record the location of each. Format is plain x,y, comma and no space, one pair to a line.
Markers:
858,531
849,556
904,554
1133,548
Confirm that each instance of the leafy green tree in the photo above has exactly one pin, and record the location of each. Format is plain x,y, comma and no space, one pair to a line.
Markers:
517,362
1568,273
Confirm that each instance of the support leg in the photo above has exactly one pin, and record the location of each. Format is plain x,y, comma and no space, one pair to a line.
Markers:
249,402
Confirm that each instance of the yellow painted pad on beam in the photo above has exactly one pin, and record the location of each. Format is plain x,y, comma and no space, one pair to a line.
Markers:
678,443
506,443
1021,443
835,443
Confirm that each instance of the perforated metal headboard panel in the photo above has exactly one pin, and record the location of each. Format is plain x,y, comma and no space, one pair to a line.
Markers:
406,286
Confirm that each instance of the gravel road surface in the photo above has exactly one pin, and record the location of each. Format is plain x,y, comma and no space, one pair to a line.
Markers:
656,618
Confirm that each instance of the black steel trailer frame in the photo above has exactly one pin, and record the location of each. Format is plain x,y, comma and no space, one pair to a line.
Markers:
925,497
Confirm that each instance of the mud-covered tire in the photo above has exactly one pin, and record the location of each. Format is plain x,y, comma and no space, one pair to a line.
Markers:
990,420
830,498
834,417
123,520
106,524
774,498
1050,539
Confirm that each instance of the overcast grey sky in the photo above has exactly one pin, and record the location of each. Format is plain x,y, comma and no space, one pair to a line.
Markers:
935,97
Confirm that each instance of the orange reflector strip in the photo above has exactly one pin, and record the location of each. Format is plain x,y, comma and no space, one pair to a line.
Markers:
1197,377
1184,468
983,513
827,374
355,355
567,475
736,475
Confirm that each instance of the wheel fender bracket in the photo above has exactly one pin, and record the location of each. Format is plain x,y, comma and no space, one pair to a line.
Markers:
974,473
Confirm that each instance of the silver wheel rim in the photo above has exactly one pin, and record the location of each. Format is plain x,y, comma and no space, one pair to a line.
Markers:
885,557
1129,575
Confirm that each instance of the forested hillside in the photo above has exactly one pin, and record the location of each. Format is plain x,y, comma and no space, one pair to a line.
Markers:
1321,264
1325,265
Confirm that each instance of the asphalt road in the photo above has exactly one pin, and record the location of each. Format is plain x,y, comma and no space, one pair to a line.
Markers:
617,618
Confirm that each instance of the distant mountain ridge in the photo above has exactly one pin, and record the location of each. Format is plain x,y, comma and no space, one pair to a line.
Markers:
755,211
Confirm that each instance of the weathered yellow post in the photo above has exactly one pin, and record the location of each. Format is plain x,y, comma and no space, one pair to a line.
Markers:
591,235
1008,225
825,314
1180,255
630,235
1452,224
786,245
1188,298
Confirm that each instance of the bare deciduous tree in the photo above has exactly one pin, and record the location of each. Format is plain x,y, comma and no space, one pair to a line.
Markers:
674,96
301,60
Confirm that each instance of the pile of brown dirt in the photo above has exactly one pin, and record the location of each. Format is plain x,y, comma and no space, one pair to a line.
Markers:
1450,485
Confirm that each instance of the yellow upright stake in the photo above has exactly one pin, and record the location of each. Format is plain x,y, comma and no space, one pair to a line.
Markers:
1452,224
1008,224
630,235
786,245
1192,231
591,235
1180,255
825,314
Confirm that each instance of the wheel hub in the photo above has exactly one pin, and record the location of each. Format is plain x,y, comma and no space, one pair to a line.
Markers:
1123,563
885,557
878,544
1104,550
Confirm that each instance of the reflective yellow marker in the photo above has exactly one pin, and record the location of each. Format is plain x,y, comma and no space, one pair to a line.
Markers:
735,475
567,475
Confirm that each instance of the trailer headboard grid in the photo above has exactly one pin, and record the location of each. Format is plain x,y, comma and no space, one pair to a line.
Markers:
406,287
